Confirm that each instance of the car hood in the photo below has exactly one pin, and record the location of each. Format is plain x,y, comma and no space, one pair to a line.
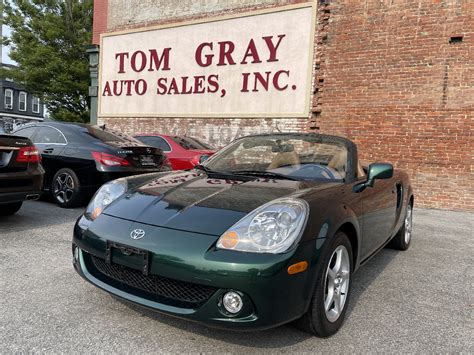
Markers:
194,202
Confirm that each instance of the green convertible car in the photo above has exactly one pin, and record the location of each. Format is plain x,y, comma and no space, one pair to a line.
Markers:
268,230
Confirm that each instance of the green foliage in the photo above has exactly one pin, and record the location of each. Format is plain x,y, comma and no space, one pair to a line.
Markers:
48,41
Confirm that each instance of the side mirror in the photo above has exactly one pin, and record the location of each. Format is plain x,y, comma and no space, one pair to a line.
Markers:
376,171
203,158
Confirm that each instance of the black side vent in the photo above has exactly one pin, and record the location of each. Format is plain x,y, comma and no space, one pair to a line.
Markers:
399,195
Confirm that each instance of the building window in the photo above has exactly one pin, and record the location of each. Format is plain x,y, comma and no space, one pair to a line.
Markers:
22,101
8,99
36,105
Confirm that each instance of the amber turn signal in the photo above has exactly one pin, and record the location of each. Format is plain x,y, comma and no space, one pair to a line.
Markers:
297,268
96,213
230,240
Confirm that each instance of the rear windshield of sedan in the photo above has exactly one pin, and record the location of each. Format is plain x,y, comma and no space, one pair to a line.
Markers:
107,135
189,143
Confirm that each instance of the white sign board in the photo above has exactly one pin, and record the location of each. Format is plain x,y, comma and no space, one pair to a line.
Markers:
255,65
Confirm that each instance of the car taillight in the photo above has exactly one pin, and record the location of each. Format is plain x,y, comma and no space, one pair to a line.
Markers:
109,159
28,155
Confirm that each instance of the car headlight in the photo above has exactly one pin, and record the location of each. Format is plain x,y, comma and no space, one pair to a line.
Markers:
271,228
107,194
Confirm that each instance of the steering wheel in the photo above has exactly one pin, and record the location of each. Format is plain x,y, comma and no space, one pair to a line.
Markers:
319,170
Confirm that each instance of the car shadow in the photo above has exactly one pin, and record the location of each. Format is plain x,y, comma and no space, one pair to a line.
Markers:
39,214
283,336
367,274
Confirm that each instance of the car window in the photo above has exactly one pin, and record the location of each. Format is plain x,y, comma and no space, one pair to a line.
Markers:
360,171
107,135
26,132
156,142
49,135
189,143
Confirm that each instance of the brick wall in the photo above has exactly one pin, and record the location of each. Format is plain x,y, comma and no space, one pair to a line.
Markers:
386,76
391,80
100,20
216,131
129,13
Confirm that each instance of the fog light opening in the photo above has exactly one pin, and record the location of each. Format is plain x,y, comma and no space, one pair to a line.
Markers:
232,302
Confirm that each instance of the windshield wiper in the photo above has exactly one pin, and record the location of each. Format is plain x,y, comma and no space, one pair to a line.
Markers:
224,174
268,174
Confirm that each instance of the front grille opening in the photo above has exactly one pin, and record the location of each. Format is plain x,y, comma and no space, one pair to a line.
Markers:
152,287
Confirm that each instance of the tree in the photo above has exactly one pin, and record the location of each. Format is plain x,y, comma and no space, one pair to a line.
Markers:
48,42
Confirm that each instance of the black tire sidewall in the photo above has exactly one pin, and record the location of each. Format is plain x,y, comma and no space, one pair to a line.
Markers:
398,242
76,198
321,325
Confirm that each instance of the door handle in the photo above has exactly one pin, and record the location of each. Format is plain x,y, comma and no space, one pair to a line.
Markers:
48,151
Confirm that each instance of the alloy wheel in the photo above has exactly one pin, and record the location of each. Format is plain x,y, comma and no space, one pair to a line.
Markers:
408,224
64,188
337,283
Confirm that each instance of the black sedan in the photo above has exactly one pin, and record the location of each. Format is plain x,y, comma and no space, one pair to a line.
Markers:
21,173
269,230
79,158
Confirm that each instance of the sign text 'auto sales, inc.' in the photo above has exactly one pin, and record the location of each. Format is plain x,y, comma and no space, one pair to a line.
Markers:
250,66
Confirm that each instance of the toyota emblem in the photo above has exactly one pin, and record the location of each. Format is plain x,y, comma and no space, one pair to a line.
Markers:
137,234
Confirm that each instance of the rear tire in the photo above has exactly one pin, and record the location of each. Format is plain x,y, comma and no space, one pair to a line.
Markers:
402,239
66,189
10,208
333,284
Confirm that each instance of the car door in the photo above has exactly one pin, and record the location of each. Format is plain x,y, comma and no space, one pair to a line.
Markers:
50,142
379,205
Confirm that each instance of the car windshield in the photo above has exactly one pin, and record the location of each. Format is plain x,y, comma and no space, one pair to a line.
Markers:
292,156
189,143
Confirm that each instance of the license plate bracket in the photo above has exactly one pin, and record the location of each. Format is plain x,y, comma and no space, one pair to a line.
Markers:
128,250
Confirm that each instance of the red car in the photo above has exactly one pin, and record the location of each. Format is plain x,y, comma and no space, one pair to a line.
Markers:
183,152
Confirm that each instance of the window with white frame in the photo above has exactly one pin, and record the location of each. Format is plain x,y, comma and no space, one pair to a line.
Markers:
22,101
36,104
8,99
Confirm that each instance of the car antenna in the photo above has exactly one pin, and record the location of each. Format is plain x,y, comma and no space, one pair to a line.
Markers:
103,127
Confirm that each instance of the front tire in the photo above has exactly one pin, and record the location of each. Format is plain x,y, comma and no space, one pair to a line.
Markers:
332,290
403,238
66,188
10,208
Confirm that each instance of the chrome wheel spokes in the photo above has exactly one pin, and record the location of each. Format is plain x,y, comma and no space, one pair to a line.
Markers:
408,224
337,283
64,188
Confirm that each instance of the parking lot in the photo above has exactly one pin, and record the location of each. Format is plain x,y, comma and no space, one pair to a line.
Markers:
415,301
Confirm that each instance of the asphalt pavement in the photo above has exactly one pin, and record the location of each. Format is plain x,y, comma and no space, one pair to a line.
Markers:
420,300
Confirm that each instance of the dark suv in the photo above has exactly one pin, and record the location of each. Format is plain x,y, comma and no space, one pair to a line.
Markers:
79,158
21,173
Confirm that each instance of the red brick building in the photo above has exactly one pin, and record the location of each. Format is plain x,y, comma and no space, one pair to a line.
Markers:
397,77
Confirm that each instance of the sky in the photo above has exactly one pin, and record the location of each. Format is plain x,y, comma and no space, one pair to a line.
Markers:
5,57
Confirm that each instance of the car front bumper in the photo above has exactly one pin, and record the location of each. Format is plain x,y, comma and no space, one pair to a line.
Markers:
271,296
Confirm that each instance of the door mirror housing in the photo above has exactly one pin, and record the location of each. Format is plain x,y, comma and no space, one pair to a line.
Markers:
377,171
